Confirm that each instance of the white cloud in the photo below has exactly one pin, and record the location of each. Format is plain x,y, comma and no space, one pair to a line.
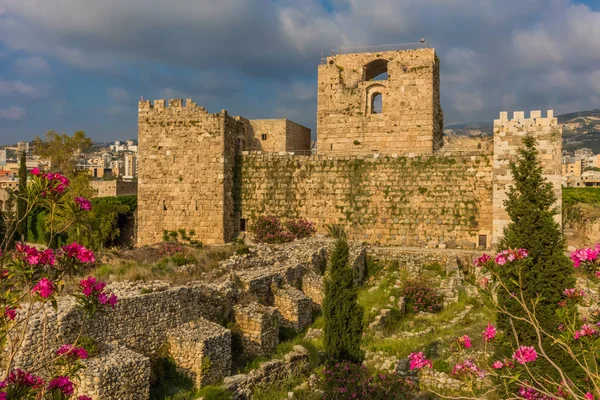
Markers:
18,87
12,113
119,94
33,65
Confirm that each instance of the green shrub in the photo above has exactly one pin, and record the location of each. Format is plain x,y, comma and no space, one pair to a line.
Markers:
89,344
336,231
418,296
214,393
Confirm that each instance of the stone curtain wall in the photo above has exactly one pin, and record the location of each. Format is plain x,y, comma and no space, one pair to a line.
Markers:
185,170
508,138
421,201
297,137
411,119
114,188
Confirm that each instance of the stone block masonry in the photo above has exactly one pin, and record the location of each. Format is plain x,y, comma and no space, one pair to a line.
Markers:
295,308
259,328
408,201
201,350
508,138
116,373
410,119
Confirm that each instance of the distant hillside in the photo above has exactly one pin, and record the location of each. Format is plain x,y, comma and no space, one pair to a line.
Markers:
580,129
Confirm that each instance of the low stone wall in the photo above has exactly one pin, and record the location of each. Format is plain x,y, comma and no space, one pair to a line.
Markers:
259,328
295,308
201,350
294,363
413,259
116,373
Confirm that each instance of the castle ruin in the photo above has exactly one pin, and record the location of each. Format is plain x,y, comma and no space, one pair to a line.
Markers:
382,168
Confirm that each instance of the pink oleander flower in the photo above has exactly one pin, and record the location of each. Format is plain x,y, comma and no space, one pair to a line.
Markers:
418,361
3,396
500,259
72,352
490,333
10,313
62,384
35,171
481,260
584,255
510,255
532,394
44,288
18,377
84,398
498,364
573,293
112,300
80,252
88,285
83,203
589,396
464,341
468,368
586,330
34,256
525,354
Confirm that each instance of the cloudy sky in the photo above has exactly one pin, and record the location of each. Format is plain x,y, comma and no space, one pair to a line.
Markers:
82,64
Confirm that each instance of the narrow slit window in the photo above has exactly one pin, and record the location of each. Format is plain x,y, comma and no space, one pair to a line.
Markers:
164,206
243,225
264,136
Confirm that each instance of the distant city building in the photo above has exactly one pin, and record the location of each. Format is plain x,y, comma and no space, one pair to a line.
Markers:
23,147
3,157
130,165
583,152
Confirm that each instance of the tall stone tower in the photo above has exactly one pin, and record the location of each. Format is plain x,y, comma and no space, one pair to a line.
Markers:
385,102
186,166
508,138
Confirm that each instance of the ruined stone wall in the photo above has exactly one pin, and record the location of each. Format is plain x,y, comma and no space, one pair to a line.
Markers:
420,201
281,135
411,119
508,138
114,188
185,170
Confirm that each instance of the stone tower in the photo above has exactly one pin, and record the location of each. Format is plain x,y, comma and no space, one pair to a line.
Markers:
508,138
186,166
386,102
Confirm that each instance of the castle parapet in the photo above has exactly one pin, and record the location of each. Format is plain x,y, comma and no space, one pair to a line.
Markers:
189,104
519,120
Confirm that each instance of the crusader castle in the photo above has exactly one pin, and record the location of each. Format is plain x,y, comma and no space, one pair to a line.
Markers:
382,168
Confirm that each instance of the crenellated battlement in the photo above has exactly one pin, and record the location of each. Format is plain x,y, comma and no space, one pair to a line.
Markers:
518,119
189,105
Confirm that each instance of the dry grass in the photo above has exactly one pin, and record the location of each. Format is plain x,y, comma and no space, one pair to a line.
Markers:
145,264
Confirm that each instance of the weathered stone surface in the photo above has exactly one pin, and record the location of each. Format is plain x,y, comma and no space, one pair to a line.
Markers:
201,350
259,328
116,373
295,308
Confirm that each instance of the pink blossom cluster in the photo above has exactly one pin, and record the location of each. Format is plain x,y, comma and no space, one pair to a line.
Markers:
481,260
45,287
586,330
418,361
57,183
489,333
72,352
510,255
574,293
83,203
93,288
62,384
501,364
34,256
467,369
23,379
525,354
464,342
80,252
532,394
585,255
10,313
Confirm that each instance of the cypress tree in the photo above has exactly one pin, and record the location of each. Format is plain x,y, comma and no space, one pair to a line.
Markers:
22,202
547,271
343,315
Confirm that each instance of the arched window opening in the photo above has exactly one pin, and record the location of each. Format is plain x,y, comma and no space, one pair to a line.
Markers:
376,70
376,103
